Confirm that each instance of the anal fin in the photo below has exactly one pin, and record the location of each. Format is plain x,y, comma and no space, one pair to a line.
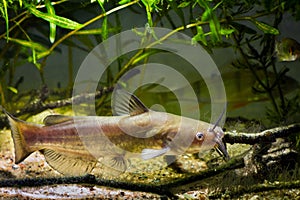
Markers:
68,165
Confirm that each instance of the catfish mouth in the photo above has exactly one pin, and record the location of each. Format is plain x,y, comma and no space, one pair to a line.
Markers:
221,149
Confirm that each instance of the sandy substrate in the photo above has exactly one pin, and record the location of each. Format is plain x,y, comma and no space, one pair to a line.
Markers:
73,191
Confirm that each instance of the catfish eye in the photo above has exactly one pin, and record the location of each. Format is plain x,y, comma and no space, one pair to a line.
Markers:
199,136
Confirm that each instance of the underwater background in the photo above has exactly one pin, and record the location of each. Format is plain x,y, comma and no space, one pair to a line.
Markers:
242,99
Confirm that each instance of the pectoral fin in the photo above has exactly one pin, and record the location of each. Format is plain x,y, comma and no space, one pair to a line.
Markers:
152,153
68,165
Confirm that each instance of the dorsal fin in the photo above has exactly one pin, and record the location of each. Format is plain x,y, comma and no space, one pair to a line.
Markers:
125,103
56,119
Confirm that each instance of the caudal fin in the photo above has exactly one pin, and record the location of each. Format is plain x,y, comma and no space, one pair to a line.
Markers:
17,126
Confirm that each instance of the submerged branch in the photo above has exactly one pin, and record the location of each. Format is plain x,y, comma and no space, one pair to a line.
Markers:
37,107
265,136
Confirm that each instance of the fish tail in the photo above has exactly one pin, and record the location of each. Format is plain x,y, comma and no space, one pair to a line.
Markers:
17,127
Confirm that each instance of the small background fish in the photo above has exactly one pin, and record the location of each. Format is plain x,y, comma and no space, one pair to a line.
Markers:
287,49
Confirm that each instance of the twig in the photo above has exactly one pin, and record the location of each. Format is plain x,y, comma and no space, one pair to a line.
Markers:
264,136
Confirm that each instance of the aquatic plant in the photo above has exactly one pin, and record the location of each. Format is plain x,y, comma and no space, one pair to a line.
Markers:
213,24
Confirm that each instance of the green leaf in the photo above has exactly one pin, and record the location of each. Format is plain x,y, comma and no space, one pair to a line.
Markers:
150,5
57,20
104,29
14,90
200,36
97,31
206,16
104,23
30,44
184,4
226,31
209,16
42,54
52,32
33,59
215,28
124,2
51,11
6,17
265,27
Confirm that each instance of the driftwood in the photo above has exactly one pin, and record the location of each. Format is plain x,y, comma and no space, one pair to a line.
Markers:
265,136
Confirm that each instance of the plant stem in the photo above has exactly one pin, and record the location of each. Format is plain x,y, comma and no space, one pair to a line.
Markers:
70,70
265,87
14,26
